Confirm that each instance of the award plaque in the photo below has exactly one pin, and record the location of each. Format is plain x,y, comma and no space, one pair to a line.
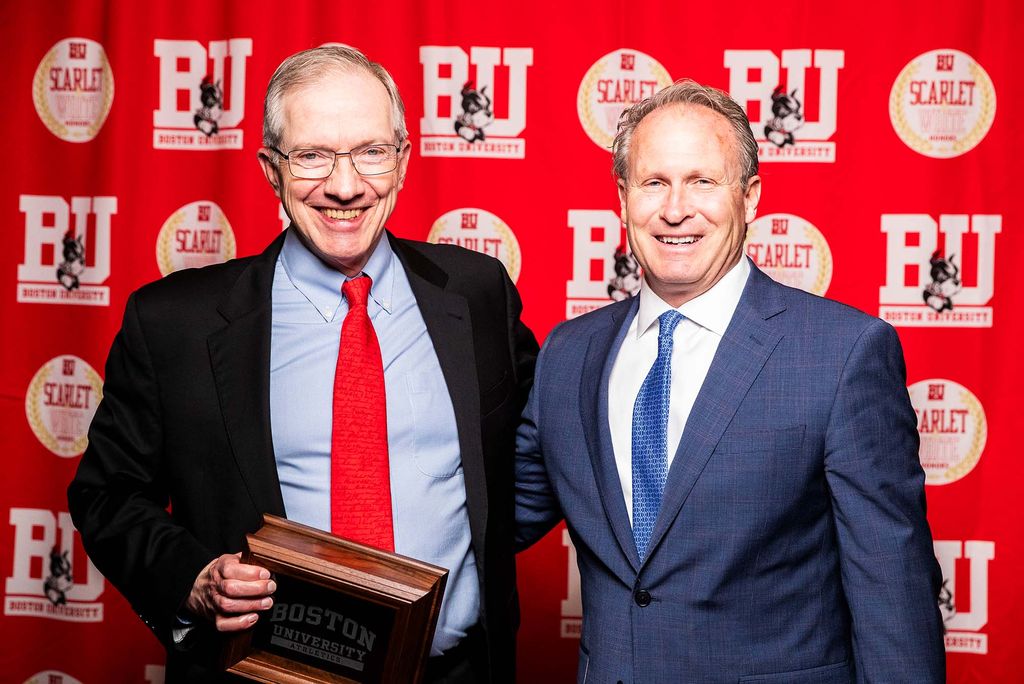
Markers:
343,612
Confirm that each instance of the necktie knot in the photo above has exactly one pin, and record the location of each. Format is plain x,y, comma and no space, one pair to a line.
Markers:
356,291
667,323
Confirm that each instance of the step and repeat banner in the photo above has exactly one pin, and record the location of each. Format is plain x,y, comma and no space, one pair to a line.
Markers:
889,144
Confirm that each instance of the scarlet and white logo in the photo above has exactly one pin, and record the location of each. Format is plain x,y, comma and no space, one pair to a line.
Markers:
963,627
462,108
73,89
942,103
66,264
616,81
779,111
51,677
481,231
953,429
48,577
60,403
598,240
202,103
928,283
197,234
572,604
790,250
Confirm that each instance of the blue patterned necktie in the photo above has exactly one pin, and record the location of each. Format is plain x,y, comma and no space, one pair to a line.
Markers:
650,436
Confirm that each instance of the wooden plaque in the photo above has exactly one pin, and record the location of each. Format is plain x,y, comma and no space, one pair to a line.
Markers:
342,611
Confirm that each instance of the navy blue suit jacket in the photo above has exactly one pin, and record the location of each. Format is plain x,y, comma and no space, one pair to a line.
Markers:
791,545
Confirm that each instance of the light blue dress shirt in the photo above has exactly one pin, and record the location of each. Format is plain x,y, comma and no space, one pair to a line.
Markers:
428,491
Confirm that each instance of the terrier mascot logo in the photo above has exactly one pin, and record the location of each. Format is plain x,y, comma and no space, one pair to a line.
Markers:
786,118
212,98
476,113
57,585
626,281
74,262
945,282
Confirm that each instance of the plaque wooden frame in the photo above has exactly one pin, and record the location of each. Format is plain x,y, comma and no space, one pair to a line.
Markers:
407,590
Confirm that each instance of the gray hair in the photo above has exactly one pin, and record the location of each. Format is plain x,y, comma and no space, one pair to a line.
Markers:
686,91
307,67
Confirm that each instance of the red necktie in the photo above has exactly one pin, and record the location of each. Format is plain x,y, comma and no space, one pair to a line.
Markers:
360,477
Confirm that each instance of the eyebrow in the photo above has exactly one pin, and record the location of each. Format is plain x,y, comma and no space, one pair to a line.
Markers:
316,146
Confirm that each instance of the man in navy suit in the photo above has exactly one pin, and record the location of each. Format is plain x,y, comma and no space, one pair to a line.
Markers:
736,460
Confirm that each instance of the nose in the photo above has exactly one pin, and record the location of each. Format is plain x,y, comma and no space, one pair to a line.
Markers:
678,205
344,182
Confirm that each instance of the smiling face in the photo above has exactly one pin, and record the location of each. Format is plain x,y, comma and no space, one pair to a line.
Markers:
339,218
683,204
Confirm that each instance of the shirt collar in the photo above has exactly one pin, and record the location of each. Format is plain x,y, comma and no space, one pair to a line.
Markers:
321,285
712,310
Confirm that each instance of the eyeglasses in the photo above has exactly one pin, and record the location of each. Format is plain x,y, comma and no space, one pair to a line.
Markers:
315,164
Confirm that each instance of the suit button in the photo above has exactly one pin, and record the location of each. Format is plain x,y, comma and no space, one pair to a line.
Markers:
642,598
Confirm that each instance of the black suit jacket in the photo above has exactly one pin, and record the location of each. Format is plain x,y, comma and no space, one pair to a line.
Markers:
180,464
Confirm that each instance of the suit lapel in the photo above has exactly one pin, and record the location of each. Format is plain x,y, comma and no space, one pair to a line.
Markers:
449,324
240,359
597,367
748,342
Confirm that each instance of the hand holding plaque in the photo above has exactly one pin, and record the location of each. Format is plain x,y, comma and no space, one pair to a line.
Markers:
342,611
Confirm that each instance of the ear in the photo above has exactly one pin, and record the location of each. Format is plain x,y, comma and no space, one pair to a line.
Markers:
751,198
271,170
620,184
404,153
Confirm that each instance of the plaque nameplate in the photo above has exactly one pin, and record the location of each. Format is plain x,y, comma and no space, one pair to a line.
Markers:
342,611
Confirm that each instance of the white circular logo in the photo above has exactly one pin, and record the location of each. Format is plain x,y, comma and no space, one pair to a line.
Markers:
51,677
790,250
60,404
196,235
616,81
73,89
953,429
942,103
480,231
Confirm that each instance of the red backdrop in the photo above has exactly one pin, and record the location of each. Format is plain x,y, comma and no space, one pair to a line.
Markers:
893,193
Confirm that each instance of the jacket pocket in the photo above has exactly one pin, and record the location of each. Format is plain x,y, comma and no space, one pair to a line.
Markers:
837,673
495,395
778,440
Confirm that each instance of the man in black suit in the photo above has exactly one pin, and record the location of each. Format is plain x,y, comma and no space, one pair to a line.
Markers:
218,400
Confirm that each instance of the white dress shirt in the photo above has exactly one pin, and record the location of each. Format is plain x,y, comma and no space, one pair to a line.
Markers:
695,342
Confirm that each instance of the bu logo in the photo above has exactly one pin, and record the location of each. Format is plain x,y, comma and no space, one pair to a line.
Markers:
48,579
602,272
211,118
67,250
963,627
459,107
925,281
777,107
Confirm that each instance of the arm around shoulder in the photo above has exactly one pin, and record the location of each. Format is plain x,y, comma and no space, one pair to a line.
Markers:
523,343
537,507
